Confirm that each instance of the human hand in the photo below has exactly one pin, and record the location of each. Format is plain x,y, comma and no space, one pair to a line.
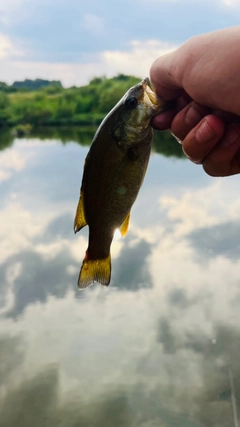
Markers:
203,76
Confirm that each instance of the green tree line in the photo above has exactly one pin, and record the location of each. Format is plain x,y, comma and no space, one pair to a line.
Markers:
55,111
51,104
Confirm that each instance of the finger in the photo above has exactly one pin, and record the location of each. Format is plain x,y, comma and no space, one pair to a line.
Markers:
224,159
187,119
202,138
163,120
164,77
226,117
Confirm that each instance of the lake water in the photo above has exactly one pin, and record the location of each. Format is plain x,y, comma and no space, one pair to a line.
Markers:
160,346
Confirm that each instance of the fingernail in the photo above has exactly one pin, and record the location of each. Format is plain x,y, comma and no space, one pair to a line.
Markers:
204,133
178,139
193,116
231,135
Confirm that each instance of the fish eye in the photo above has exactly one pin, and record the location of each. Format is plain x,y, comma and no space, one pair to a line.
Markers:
131,103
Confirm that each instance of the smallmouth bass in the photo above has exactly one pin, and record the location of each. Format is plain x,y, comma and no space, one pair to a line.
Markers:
113,174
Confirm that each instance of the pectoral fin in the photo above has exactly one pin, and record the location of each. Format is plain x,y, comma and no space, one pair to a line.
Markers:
124,227
98,270
80,220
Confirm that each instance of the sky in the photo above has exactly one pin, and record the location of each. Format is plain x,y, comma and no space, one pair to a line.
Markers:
75,40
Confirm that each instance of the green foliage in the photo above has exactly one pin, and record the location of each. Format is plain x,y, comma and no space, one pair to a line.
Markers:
3,86
53,89
4,109
52,105
97,80
22,130
4,101
84,104
79,134
110,96
6,139
166,144
163,143
36,84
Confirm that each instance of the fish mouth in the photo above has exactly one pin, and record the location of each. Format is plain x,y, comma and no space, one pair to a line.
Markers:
153,98
150,92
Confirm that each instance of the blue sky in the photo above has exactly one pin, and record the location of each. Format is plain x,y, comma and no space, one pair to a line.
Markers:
76,40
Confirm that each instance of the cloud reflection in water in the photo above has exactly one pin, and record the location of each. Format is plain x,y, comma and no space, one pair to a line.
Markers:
152,349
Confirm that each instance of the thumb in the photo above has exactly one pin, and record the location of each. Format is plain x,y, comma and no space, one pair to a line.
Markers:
164,75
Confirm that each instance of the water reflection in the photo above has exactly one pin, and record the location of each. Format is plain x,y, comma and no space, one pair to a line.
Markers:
159,346
221,239
163,142
132,272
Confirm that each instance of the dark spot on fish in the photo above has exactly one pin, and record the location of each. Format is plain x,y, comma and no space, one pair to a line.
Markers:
133,154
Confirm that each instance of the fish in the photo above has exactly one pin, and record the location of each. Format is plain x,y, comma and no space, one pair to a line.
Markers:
113,173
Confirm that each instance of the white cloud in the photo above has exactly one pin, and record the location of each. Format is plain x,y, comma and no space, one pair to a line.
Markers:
8,48
135,60
11,161
5,46
231,3
17,238
17,224
12,11
69,74
138,58
15,159
11,5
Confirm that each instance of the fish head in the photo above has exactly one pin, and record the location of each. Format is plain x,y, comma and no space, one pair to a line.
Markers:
136,110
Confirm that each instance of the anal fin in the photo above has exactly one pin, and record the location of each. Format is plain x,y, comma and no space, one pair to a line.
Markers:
80,220
124,227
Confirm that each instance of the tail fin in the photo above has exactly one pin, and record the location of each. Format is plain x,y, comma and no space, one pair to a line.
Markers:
98,270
